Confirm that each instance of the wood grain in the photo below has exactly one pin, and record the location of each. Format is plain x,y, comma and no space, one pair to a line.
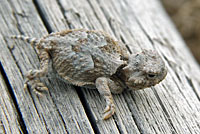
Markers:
9,122
170,107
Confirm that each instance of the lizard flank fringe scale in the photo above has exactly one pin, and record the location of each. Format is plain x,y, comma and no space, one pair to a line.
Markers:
93,59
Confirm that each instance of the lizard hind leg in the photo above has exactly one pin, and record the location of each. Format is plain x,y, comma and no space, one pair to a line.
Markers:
102,86
32,77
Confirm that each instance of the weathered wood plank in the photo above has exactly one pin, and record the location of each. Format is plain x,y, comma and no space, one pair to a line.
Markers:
171,107
153,110
9,118
51,113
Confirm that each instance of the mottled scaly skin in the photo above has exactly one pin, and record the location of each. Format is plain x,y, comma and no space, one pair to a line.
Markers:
79,56
93,59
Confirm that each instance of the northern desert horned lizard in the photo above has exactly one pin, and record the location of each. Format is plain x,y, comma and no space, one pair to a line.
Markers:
93,59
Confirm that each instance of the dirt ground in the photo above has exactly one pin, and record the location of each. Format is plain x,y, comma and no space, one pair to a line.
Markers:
186,16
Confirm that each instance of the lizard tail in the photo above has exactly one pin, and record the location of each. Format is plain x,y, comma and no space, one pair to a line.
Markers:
30,40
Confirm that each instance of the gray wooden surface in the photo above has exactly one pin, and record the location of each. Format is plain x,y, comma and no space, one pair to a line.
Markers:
170,107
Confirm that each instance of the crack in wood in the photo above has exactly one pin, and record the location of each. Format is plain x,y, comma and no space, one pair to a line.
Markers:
192,86
165,111
42,16
71,26
59,113
87,110
10,90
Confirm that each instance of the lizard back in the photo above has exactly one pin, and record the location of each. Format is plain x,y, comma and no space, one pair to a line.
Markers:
81,56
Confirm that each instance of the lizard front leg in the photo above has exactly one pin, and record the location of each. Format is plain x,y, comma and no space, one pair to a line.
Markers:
102,86
32,75
115,86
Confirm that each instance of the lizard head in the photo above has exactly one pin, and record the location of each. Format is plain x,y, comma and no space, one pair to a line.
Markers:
144,70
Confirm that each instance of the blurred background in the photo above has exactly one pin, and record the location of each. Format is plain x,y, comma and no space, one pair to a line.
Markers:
186,16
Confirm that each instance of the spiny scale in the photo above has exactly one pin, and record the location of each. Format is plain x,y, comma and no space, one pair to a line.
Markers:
27,39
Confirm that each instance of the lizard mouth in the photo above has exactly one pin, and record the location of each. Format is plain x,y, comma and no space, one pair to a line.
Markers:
136,84
140,84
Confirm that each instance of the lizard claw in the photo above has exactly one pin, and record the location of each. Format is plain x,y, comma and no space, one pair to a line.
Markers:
37,86
109,111
37,92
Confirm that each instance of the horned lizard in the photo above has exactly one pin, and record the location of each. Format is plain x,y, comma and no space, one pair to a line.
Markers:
93,59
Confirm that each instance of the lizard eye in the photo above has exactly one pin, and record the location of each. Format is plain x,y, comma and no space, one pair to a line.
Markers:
151,76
